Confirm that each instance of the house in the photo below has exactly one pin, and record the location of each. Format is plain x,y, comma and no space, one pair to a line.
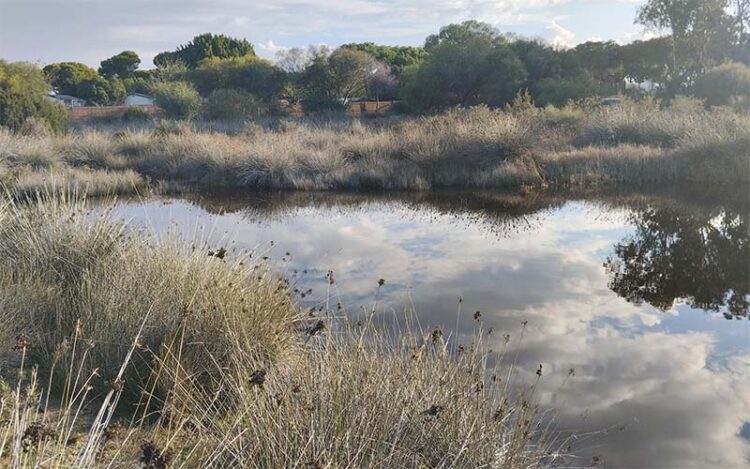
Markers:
66,100
138,99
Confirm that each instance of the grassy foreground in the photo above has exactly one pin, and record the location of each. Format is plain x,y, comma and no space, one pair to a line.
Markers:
131,351
472,148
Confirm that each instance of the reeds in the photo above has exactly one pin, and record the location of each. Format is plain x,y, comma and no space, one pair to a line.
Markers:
469,148
165,354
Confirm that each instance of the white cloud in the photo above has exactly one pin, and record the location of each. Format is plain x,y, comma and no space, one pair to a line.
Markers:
559,36
268,49
33,29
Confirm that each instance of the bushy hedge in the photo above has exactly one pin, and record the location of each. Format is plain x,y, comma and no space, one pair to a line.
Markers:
23,96
178,99
226,104
727,84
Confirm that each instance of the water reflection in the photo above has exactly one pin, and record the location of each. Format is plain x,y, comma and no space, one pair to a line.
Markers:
700,256
657,381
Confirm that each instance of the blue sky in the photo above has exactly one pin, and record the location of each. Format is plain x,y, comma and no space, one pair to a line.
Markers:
88,31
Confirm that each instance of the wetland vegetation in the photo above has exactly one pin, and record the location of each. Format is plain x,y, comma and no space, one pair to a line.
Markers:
521,147
543,243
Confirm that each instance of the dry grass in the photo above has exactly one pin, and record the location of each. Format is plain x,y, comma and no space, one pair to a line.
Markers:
63,270
159,353
473,148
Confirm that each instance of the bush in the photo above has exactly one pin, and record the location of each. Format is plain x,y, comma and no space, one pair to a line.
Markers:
314,105
178,99
226,104
23,91
135,114
100,283
725,85
559,92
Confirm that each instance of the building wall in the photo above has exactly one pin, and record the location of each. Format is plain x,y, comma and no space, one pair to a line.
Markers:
135,100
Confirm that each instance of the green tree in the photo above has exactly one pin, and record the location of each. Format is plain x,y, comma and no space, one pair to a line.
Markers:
540,61
340,76
646,60
122,65
139,82
458,34
66,77
601,60
469,64
396,57
178,99
206,46
23,95
559,91
724,85
100,91
227,104
701,34
251,74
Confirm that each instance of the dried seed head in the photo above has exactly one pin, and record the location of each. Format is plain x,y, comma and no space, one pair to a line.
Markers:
154,458
22,343
433,411
258,377
318,327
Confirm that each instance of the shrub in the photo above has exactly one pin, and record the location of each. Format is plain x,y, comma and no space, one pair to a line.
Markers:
178,99
227,104
135,114
67,273
559,91
316,104
724,85
23,91
567,117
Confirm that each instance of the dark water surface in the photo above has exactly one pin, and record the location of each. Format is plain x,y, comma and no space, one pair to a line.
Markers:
644,295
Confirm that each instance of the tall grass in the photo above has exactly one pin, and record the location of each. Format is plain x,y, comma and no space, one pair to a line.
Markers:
158,352
473,148
63,271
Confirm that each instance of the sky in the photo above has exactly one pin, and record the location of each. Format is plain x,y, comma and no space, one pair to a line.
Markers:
88,31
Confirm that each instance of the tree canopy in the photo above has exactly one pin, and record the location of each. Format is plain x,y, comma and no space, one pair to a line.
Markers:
396,57
23,95
206,46
66,77
469,64
122,65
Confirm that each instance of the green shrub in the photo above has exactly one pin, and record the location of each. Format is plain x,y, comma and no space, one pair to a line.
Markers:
316,104
560,91
725,85
178,99
135,114
227,104
23,95
567,117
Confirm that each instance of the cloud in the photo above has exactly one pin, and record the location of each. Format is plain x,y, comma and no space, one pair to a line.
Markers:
559,36
268,49
49,30
642,395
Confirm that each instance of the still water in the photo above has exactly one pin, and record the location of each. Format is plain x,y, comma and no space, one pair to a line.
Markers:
643,295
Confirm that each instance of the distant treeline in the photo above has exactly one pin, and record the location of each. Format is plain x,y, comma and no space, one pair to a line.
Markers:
705,52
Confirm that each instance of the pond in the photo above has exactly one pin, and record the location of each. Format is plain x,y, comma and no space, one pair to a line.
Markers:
635,302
